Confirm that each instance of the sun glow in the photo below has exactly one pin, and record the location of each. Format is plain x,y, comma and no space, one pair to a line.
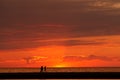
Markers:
60,65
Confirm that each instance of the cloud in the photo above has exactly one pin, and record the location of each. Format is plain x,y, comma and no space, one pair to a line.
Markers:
107,4
108,7
34,59
11,45
73,58
105,58
28,60
23,23
78,42
89,57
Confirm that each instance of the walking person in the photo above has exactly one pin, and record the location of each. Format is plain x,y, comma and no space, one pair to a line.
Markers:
45,68
41,69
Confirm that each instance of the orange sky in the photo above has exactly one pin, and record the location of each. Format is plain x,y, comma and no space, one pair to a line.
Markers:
90,55
60,33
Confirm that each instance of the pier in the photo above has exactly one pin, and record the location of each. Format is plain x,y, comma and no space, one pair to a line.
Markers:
61,75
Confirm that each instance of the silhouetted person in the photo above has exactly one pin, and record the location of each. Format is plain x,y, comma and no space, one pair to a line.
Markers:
44,68
41,69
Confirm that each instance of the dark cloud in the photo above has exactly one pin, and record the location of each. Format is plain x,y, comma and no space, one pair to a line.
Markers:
78,42
26,21
73,58
33,44
105,58
89,57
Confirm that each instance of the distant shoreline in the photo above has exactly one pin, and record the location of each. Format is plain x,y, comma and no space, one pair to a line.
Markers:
61,69
61,75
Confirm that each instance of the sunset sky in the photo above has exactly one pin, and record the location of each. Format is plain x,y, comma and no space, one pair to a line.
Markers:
60,33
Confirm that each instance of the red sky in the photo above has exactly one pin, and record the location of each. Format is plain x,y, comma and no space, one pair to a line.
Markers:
60,33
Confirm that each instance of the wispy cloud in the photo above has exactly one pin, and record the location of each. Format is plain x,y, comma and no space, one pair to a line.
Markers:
34,59
11,45
28,60
89,57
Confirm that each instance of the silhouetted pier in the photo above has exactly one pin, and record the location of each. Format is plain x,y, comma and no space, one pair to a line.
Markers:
61,75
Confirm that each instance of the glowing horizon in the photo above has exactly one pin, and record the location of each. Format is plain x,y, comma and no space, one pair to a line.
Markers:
83,55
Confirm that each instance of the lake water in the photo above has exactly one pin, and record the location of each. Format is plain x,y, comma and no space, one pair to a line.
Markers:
59,79
70,69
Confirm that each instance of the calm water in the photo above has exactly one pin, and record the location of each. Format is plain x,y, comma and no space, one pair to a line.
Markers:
70,69
59,79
